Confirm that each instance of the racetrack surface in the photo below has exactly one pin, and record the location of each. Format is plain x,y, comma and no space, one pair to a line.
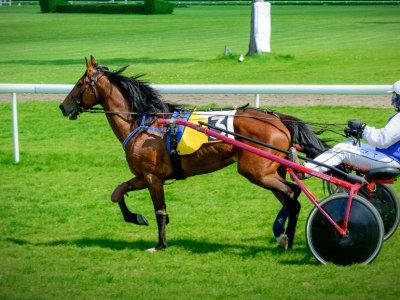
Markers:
381,101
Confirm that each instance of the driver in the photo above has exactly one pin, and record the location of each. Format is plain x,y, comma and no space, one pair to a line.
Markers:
384,150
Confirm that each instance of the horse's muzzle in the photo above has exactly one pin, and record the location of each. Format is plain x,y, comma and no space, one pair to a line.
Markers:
63,110
73,114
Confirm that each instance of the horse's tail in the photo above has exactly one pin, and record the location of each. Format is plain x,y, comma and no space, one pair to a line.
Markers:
302,135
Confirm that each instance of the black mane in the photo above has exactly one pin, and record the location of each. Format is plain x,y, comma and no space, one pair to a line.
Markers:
139,94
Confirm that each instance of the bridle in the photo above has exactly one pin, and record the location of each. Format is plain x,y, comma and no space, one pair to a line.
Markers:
80,109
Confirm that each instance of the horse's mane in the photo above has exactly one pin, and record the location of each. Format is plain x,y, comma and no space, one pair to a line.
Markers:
140,96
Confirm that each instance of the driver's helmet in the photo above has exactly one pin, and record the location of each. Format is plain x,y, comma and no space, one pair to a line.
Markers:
395,88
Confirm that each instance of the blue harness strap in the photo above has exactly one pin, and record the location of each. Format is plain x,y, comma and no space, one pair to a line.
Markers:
138,128
177,114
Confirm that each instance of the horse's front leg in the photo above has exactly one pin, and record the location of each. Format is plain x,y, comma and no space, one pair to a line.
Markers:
156,189
134,184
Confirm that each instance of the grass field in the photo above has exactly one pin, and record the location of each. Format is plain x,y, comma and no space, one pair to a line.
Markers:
311,44
61,237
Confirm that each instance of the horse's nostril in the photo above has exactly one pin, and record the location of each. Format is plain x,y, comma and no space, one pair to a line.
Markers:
62,107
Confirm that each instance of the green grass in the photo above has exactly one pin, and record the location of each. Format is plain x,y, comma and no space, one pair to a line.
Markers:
61,237
325,44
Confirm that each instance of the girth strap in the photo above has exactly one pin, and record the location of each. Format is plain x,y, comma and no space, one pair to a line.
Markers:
138,128
173,155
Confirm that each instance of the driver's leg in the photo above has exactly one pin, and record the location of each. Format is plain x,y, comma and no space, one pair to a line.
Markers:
363,157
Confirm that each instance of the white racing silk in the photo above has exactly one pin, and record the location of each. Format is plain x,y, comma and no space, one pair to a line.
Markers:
384,150
385,137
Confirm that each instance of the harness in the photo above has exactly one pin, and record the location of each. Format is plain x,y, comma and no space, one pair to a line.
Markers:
174,134
138,128
173,130
174,156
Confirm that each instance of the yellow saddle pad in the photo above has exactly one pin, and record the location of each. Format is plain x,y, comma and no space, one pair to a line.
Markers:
192,139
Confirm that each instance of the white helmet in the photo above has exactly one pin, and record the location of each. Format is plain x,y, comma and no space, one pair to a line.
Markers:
395,88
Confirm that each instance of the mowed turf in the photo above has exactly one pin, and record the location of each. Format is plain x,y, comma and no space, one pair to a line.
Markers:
61,237
311,45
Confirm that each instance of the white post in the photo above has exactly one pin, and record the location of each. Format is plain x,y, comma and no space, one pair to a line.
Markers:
262,26
257,100
1,2
10,2
15,127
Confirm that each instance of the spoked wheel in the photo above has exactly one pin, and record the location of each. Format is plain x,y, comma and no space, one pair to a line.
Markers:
365,231
333,189
384,199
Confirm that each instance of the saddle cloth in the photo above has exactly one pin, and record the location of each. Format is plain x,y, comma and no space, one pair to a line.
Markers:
190,140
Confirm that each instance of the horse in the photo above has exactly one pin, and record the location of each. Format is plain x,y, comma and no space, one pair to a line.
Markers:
130,102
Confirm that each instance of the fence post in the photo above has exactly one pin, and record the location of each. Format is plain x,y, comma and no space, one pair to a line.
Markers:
15,127
257,100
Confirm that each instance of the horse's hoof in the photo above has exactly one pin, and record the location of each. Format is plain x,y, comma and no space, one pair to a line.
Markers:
119,192
155,249
142,220
283,242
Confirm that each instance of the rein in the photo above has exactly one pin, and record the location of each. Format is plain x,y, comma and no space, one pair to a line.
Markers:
80,109
316,126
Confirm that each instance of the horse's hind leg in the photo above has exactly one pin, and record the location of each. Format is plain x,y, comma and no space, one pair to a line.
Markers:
291,212
293,217
118,196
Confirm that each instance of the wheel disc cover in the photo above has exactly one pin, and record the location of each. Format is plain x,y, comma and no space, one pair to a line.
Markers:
360,243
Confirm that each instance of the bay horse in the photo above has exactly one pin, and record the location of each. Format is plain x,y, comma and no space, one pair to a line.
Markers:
147,154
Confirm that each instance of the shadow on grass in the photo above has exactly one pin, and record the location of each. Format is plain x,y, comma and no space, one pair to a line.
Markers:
378,23
103,62
307,259
193,246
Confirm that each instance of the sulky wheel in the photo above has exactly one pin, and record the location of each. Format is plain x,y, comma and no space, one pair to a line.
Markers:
365,231
385,200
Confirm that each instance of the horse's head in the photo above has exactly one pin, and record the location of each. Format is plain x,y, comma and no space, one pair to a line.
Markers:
83,95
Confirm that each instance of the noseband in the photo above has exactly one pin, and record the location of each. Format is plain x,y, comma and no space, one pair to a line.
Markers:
79,109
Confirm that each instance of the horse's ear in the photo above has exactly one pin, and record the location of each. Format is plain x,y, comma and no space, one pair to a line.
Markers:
88,65
93,61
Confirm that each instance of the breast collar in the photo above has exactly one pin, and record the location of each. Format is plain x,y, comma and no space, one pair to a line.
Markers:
138,128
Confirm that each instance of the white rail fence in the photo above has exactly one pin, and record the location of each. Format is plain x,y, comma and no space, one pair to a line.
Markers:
197,89
217,2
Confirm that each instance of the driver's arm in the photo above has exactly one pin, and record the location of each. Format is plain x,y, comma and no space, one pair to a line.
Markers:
385,137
